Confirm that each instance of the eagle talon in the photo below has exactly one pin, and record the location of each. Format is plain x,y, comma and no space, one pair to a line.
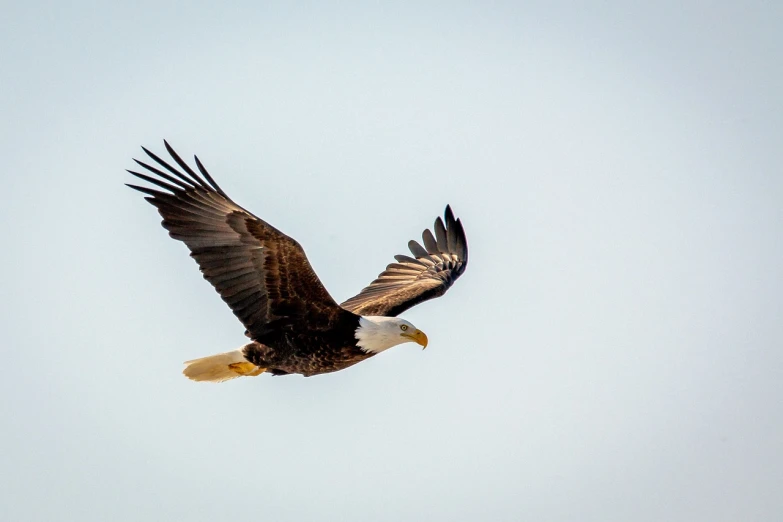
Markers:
246,369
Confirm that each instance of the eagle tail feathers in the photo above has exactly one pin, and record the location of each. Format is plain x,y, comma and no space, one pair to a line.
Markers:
221,367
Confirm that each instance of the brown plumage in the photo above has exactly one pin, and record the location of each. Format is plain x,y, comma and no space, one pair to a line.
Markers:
265,278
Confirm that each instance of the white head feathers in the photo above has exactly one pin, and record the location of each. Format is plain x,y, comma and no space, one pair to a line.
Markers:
376,334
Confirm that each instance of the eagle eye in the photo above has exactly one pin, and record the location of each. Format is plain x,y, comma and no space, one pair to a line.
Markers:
403,327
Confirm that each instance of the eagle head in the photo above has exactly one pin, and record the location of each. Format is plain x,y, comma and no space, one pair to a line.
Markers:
376,334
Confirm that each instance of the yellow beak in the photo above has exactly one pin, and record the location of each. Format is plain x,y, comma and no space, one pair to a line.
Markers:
417,337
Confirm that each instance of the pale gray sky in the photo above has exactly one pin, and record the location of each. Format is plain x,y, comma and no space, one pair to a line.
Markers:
612,353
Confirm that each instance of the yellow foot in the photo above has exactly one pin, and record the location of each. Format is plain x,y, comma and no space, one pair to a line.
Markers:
256,372
247,369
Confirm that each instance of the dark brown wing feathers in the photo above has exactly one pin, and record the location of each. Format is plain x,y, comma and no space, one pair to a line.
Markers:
262,274
412,280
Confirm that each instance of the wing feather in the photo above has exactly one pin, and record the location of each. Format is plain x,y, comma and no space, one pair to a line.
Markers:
402,258
417,250
440,234
430,243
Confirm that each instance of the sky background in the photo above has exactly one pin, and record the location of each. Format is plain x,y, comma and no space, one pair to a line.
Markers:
612,353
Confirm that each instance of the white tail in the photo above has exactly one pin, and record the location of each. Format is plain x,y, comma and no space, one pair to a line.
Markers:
221,367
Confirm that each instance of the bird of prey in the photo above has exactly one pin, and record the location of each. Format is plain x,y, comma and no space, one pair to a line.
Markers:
263,275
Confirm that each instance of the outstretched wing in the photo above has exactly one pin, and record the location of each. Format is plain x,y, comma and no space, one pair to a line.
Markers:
262,274
412,280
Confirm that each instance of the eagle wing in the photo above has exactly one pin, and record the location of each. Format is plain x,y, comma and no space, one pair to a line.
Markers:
411,280
262,274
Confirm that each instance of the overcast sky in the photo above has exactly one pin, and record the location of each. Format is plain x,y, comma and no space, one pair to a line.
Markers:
612,353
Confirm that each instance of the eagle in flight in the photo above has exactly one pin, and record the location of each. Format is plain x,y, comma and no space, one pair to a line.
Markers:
263,275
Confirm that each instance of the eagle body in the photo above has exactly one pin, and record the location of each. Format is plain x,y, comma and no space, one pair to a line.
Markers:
263,275
308,358
306,352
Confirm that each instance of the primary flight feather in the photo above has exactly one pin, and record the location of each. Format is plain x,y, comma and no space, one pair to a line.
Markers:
264,276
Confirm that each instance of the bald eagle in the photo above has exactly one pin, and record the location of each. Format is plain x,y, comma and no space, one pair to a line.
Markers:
294,325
